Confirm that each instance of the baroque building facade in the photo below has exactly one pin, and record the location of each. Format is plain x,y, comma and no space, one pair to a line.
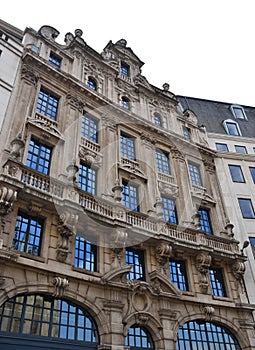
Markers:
113,233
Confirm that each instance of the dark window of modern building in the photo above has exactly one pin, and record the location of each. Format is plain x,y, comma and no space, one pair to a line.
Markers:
238,112
157,119
178,274
28,234
89,128
236,173
222,147
130,196
87,179
125,69
205,336
246,208
85,254
195,176
135,258
252,171
241,149
138,338
48,317
47,104
92,84
252,243
55,60
186,132
254,149
169,210
205,221
125,102
127,144
217,282
162,162
39,157
232,128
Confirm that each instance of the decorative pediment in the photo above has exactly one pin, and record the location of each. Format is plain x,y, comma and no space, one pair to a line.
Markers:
45,124
117,275
160,283
191,116
49,32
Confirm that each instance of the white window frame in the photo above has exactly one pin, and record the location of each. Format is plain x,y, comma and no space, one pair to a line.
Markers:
233,107
226,121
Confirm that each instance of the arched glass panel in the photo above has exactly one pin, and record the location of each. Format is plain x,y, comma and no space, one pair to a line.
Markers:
138,338
125,103
45,316
157,119
92,83
205,335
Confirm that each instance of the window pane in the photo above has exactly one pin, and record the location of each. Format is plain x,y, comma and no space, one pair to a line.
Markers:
85,254
157,119
252,171
241,149
136,259
138,337
130,196
195,175
55,60
92,84
169,210
89,128
127,146
38,157
47,104
221,147
246,208
87,179
236,173
186,132
162,162
178,274
217,282
205,222
125,69
252,243
232,129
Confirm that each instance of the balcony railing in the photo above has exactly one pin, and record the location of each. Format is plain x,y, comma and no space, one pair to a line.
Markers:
93,146
149,225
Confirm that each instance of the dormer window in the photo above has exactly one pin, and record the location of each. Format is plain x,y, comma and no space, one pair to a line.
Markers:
125,69
157,119
232,127
238,112
55,60
91,83
125,103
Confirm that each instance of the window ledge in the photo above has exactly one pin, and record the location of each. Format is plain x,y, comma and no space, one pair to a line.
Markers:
87,272
30,256
227,299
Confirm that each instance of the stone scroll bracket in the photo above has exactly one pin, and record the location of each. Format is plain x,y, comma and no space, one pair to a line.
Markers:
203,262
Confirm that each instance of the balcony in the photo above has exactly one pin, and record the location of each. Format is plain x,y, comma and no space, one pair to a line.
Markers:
36,184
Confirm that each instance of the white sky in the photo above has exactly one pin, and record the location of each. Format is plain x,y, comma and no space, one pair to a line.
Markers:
202,48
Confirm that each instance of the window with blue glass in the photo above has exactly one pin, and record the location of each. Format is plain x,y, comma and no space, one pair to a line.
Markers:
222,147
246,208
55,60
135,258
252,171
194,173
89,128
28,234
127,144
186,132
236,173
204,335
125,102
92,84
87,179
39,156
217,282
205,221
45,316
130,196
138,338
125,69
162,162
47,104
232,128
178,274
157,119
169,210
241,149
85,254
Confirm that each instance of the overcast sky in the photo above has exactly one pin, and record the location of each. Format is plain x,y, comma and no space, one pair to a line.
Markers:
202,48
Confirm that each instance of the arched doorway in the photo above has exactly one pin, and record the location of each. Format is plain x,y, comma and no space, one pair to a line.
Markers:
37,322
200,334
138,338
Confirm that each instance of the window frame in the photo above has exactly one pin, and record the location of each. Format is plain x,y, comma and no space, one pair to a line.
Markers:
39,224
218,285
92,83
243,209
252,169
234,107
186,132
223,144
45,106
89,127
90,254
169,211
205,222
240,147
195,174
126,103
177,276
86,182
125,69
226,124
38,156
239,178
157,119
138,338
55,60
130,204
127,148
162,160
131,255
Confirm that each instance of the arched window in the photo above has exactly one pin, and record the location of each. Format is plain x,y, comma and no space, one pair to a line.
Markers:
157,119
205,335
125,103
138,338
92,83
46,316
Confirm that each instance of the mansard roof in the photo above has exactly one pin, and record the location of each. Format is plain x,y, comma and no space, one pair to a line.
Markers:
211,114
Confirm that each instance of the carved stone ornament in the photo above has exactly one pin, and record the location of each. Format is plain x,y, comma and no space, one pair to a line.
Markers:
49,32
148,140
203,262
90,158
196,220
75,101
176,154
208,311
72,170
60,284
117,191
238,269
163,252
168,189
28,74
7,198
229,228
66,229
16,145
